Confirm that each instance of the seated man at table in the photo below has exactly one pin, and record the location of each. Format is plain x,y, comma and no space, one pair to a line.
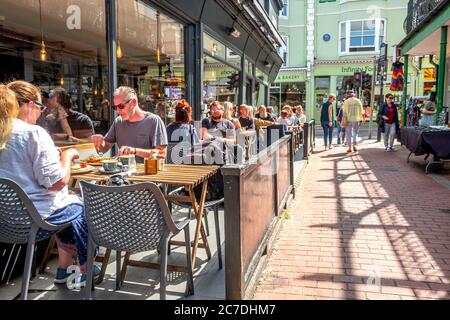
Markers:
221,134
80,124
216,127
263,115
245,120
135,131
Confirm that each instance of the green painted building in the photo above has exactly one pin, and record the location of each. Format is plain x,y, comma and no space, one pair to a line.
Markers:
327,42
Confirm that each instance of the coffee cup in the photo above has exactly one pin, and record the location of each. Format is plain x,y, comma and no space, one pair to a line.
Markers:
110,165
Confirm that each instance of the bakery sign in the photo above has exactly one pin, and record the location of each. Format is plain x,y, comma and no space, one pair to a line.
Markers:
290,77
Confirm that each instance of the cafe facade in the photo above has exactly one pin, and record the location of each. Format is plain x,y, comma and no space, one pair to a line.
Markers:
167,50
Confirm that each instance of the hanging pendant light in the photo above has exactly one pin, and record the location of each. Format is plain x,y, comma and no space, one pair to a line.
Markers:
158,37
42,51
119,53
61,82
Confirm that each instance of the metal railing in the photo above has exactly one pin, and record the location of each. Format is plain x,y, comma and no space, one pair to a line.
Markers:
309,138
419,10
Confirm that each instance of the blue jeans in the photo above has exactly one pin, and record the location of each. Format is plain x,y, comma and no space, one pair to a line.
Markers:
338,134
327,133
352,131
76,235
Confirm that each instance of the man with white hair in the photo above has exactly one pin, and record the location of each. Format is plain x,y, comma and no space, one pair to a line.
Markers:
135,131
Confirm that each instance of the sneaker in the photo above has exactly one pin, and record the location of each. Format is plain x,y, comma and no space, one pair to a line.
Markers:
392,149
61,276
386,149
96,273
354,148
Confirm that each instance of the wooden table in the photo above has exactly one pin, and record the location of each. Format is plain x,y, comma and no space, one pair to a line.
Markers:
188,176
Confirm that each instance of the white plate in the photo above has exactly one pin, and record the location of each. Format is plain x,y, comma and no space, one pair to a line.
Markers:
88,168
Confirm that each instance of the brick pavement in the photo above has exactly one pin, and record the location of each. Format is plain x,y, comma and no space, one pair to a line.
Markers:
364,226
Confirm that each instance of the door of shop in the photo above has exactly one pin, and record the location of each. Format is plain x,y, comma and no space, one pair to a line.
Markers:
320,97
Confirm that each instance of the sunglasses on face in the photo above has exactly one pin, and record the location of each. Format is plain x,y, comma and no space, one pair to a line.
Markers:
42,107
122,105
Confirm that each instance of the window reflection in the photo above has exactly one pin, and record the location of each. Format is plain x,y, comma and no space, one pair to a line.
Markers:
153,57
73,35
220,83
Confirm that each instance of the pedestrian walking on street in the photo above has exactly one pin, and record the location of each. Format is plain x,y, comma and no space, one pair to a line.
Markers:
353,115
326,120
340,129
389,114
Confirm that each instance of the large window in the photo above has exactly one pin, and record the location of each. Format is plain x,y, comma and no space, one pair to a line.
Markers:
66,48
283,51
361,36
221,73
293,94
153,57
220,82
284,13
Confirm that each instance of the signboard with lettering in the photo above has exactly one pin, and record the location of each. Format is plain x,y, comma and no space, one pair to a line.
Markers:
290,77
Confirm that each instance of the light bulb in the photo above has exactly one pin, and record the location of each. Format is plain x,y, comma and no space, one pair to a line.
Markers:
61,81
95,92
43,53
119,53
158,55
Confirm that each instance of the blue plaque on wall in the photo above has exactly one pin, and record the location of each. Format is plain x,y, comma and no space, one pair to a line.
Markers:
326,37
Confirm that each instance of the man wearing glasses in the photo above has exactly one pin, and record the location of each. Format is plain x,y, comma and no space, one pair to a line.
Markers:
388,112
135,131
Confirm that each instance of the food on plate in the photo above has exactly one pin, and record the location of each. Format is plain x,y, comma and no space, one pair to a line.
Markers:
95,160
78,166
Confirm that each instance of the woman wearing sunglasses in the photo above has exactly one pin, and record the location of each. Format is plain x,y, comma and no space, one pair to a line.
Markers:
44,170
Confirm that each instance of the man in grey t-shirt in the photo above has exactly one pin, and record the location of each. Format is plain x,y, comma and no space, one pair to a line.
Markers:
135,131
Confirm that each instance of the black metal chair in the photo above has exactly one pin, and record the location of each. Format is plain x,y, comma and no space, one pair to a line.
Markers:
132,218
21,223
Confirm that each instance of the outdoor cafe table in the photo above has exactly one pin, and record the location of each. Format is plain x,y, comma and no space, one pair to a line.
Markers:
188,176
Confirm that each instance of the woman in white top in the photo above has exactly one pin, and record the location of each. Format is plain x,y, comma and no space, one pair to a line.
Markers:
44,170
429,112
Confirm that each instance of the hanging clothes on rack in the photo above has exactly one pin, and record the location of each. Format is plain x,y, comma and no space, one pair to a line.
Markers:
413,110
397,76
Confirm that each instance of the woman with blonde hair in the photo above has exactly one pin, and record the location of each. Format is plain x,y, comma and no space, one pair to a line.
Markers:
228,114
44,171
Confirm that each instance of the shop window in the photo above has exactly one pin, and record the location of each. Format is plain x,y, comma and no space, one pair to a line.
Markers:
322,83
153,57
220,82
361,35
66,47
293,93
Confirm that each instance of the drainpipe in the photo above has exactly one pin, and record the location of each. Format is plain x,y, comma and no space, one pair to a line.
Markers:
441,74
405,89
